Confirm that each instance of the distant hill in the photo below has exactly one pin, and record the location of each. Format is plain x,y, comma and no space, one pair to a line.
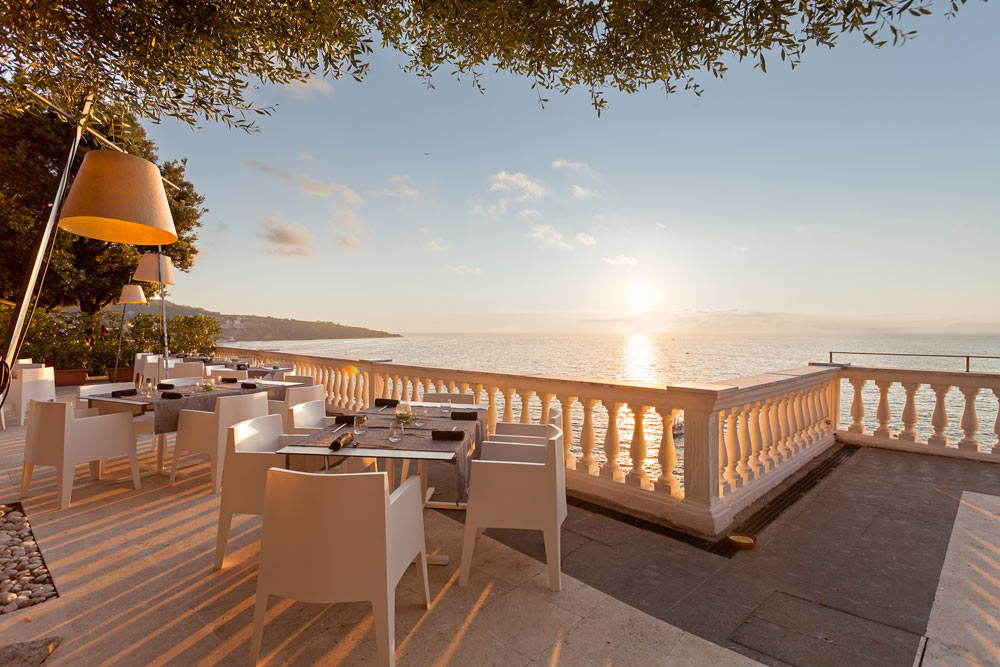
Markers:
257,327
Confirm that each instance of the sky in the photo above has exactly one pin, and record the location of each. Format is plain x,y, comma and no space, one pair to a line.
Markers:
857,192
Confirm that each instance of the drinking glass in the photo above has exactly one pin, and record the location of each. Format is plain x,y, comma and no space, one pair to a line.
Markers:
446,406
395,432
420,417
360,424
149,387
404,412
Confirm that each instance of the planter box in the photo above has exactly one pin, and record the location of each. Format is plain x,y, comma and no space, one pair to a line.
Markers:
121,374
70,378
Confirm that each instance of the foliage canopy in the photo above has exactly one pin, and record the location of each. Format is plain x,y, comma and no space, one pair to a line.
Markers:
195,60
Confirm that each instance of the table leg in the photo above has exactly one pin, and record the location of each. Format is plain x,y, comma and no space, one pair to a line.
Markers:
390,469
428,493
437,559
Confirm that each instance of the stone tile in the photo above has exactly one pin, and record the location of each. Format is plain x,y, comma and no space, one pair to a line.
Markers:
693,651
469,645
940,654
878,642
708,616
575,596
529,623
796,648
530,542
615,633
602,529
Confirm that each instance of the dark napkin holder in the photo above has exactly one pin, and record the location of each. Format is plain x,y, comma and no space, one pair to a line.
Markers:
118,393
343,419
242,367
341,441
229,380
386,402
248,385
171,394
447,435
164,385
465,416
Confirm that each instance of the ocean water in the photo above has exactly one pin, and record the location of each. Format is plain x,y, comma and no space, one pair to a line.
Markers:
672,358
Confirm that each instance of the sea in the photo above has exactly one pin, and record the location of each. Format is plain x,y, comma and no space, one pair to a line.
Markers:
666,358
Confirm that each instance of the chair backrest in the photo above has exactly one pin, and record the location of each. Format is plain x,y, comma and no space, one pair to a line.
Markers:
304,379
183,382
555,414
151,367
307,415
45,437
226,373
233,409
213,367
296,395
188,369
324,536
23,360
278,374
107,388
456,398
35,383
555,465
244,478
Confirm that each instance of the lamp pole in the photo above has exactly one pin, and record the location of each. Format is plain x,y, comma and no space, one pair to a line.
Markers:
17,322
163,313
118,354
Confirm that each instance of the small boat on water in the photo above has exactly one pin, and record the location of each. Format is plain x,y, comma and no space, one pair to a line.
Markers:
678,426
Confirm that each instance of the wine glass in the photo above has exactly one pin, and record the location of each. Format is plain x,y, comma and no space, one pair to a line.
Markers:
420,417
360,424
395,432
446,406
149,387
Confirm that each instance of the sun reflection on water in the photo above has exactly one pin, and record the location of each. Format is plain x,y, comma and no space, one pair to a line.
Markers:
639,358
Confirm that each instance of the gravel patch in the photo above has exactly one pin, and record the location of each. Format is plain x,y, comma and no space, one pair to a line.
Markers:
24,579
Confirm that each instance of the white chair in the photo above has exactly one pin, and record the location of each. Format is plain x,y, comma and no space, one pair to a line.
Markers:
294,396
30,384
302,379
227,373
188,369
310,417
518,486
142,422
201,432
57,437
506,430
183,382
210,368
356,547
456,399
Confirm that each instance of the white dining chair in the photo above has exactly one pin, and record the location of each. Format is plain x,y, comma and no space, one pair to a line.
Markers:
455,398
301,379
294,396
188,369
218,374
56,436
183,382
213,367
202,432
502,430
142,422
522,486
357,547
309,417
30,384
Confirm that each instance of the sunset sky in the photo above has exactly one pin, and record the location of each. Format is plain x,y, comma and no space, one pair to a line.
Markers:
858,191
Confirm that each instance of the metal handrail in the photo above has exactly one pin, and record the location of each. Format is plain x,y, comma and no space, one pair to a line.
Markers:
967,357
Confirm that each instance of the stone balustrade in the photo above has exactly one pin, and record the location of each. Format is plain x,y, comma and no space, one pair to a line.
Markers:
938,412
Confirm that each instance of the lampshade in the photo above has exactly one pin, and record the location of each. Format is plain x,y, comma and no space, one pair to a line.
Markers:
132,294
120,198
149,270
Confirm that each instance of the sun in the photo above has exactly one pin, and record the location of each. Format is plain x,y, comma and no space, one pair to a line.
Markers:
639,297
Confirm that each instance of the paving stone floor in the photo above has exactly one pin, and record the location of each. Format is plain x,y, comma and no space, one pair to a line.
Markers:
845,576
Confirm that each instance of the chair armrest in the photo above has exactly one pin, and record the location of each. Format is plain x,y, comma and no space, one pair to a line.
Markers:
492,481
519,439
302,430
287,439
513,452
405,526
512,428
275,407
195,420
101,436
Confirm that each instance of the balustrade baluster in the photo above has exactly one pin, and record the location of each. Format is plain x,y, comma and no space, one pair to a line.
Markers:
567,426
667,456
612,445
508,404
395,388
359,388
799,419
743,442
491,411
732,446
909,414
882,413
996,424
452,387
463,387
587,436
525,395
546,397
857,407
723,456
769,420
939,418
479,393
815,426
637,450
757,454
335,388
970,421
418,384
782,403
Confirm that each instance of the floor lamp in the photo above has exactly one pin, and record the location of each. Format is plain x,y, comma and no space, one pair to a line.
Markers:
115,197
155,267
130,294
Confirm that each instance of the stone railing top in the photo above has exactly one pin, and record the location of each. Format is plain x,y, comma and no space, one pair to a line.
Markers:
981,379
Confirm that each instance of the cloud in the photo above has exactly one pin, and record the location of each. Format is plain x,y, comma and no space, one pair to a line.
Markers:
306,184
434,245
306,90
397,189
285,238
463,268
580,192
425,230
526,188
585,239
348,242
547,235
306,157
563,162
621,260
492,210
